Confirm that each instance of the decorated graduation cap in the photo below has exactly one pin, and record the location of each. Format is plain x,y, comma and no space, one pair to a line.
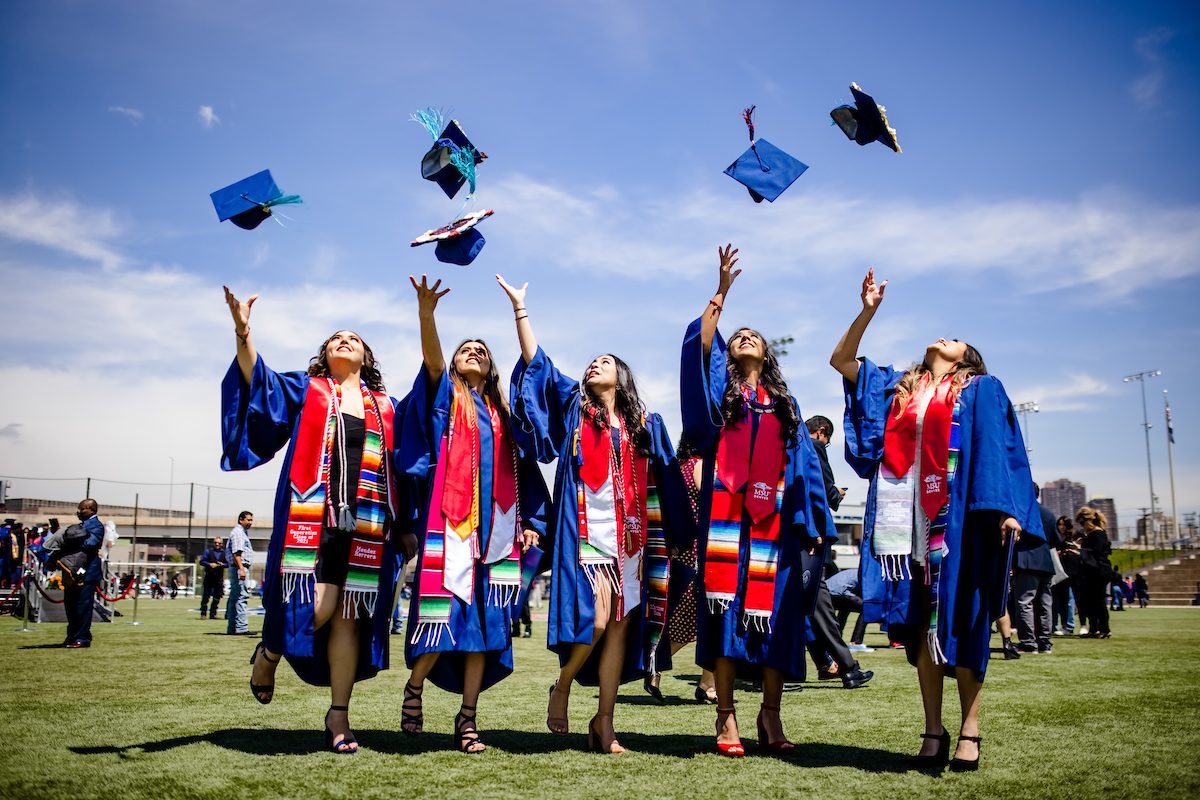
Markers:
451,163
249,201
448,141
764,169
865,121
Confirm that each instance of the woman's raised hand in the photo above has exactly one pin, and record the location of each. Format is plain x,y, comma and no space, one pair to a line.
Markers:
517,296
728,273
428,296
872,293
240,310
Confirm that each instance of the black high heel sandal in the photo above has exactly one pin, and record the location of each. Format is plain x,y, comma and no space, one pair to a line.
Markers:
267,688
939,756
559,726
468,740
651,689
961,764
407,717
348,745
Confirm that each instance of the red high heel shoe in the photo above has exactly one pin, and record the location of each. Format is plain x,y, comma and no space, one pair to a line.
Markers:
728,749
781,746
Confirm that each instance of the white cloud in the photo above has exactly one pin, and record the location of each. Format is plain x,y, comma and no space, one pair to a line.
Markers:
11,431
208,117
1075,391
134,115
64,226
1146,90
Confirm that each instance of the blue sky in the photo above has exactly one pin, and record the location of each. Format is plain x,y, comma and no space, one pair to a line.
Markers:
1045,207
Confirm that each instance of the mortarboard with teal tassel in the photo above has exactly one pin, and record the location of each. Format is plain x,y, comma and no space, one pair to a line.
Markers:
248,202
449,141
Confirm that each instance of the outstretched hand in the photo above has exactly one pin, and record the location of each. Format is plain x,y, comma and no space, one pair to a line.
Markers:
728,273
239,310
517,296
428,296
872,293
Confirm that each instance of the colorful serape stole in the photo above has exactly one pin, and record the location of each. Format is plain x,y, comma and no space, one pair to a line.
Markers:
433,598
656,568
310,509
936,548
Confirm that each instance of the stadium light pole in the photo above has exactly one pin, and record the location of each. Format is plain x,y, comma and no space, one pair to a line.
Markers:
1025,409
1141,378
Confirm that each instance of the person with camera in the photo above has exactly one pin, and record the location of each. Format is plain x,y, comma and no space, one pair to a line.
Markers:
79,560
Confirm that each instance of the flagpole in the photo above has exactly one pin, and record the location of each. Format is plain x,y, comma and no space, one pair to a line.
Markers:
1171,458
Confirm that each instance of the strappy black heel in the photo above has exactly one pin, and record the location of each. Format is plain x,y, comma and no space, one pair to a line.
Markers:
348,745
468,740
961,764
267,688
412,724
939,756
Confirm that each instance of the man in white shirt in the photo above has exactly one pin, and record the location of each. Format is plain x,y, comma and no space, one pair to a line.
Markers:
240,557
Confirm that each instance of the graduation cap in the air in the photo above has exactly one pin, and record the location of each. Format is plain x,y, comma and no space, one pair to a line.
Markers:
865,121
459,242
248,202
448,139
764,169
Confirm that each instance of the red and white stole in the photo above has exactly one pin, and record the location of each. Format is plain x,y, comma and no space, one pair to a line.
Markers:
627,471
748,478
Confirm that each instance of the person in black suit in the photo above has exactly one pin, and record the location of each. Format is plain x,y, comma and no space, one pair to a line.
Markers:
1032,598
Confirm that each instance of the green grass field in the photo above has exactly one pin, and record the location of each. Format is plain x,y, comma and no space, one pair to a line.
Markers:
163,710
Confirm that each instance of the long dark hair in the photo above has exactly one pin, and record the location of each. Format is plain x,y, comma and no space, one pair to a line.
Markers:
771,379
970,366
491,381
629,406
318,365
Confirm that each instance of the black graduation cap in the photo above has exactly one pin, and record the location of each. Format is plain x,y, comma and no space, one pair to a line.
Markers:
249,201
438,165
459,242
865,121
764,169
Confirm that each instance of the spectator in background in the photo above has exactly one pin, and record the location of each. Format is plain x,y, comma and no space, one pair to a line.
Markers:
846,593
214,562
1141,590
78,599
1095,571
1064,592
6,551
240,557
1031,586
1116,592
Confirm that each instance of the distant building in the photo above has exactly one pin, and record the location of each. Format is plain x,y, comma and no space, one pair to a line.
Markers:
1161,532
1063,497
1108,508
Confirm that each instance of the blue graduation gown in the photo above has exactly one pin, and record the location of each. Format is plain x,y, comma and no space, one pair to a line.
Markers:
256,422
992,479
546,409
478,627
805,516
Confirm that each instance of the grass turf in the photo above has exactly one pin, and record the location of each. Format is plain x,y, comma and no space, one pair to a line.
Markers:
163,709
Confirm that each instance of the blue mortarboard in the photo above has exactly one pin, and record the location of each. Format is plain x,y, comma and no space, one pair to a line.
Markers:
459,242
248,202
438,165
764,169
865,121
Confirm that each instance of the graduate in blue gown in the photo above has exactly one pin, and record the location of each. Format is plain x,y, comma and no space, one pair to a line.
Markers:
950,488
619,505
330,575
764,522
480,508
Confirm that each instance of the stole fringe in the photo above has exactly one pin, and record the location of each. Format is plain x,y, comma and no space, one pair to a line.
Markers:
502,595
757,622
303,583
432,631
896,567
608,568
935,648
719,604
353,600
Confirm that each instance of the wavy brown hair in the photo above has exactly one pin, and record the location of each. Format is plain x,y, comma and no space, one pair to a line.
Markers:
771,378
491,382
318,365
1091,519
971,365
629,406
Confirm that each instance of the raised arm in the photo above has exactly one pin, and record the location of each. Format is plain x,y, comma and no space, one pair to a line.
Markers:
246,354
845,355
431,345
525,335
712,312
